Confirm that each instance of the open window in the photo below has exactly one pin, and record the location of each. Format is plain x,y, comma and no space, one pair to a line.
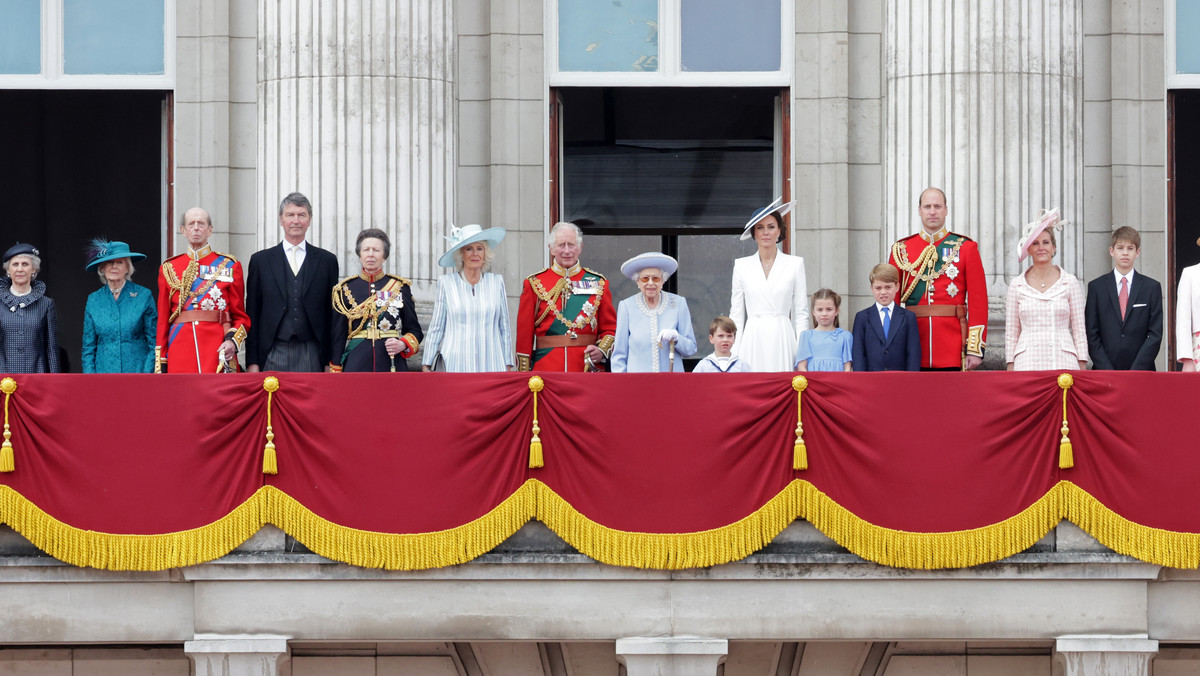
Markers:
671,169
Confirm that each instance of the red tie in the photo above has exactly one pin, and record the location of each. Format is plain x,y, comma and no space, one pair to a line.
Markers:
1123,296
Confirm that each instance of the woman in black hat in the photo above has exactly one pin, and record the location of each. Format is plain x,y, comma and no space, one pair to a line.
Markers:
28,325
119,318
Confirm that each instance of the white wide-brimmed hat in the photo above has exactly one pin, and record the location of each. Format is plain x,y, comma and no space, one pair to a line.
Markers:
775,207
469,234
650,259
1045,219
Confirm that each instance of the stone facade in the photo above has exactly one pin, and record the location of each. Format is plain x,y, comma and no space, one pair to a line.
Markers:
252,122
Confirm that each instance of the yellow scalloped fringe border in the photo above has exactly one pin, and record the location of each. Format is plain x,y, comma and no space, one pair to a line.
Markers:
667,551
116,551
403,551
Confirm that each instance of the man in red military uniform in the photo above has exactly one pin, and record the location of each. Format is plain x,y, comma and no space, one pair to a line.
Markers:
201,305
566,320
943,283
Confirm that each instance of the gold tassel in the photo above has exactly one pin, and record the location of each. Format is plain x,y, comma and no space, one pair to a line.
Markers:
7,460
800,451
1066,456
270,463
535,444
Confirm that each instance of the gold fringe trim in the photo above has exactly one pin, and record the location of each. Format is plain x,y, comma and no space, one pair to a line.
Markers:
667,551
670,551
1173,549
951,549
115,551
402,551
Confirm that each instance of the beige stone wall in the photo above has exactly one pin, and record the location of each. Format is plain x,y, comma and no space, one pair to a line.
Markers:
216,126
838,154
502,146
1125,134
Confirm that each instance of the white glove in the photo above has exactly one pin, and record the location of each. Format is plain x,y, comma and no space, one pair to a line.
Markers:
668,335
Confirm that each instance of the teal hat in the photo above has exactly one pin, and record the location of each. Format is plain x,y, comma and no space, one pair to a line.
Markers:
469,234
103,251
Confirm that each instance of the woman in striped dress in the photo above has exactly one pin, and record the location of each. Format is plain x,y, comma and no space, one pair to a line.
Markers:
469,332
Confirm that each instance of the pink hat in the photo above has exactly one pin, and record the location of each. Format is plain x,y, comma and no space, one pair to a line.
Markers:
1045,219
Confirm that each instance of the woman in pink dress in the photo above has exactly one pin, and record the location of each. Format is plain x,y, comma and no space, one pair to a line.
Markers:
1044,325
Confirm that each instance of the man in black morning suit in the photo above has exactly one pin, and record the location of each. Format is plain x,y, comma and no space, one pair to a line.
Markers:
1130,340
288,292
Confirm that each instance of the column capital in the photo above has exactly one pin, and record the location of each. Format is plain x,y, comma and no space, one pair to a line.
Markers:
237,654
671,655
1105,643
1106,655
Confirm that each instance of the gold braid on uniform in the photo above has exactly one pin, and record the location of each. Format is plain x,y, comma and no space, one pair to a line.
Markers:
921,270
550,298
367,311
183,286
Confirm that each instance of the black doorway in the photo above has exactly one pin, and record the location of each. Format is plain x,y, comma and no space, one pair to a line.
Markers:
76,165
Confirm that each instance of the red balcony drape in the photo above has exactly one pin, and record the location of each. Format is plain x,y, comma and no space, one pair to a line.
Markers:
663,471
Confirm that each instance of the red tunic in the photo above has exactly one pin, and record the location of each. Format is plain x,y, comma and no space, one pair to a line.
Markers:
557,303
213,310
950,274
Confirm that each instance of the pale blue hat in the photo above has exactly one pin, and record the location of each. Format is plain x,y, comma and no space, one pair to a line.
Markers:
469,234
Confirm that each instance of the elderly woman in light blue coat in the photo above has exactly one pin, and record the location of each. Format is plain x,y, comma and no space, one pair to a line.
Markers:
652,321
119,318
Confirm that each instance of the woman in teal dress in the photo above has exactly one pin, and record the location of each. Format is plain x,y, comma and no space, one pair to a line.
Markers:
119,318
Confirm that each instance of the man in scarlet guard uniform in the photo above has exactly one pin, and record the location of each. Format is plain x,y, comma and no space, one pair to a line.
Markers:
566,320
201,305
942,282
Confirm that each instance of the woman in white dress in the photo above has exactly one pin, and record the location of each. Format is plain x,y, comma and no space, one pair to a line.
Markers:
1187,319
469,332
654,328
770,295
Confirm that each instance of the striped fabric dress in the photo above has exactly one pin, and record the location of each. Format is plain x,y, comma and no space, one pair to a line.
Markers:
469,332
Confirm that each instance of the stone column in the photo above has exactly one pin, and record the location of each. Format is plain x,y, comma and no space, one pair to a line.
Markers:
985,100
356,110
243,655
1106,655
671,656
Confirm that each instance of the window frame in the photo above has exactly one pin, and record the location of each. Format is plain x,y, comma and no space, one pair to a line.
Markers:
52,75
670,57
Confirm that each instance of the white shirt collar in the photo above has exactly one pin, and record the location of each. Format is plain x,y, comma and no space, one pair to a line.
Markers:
287,246
1118,276
890,306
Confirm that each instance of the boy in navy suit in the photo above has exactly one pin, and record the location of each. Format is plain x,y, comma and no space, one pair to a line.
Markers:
885,334
1123,314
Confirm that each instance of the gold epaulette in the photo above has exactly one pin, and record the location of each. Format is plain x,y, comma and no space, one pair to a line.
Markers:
229,256
594,273
534,275
400,279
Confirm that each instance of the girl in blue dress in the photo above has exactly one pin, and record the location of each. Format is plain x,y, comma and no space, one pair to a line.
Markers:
827,347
